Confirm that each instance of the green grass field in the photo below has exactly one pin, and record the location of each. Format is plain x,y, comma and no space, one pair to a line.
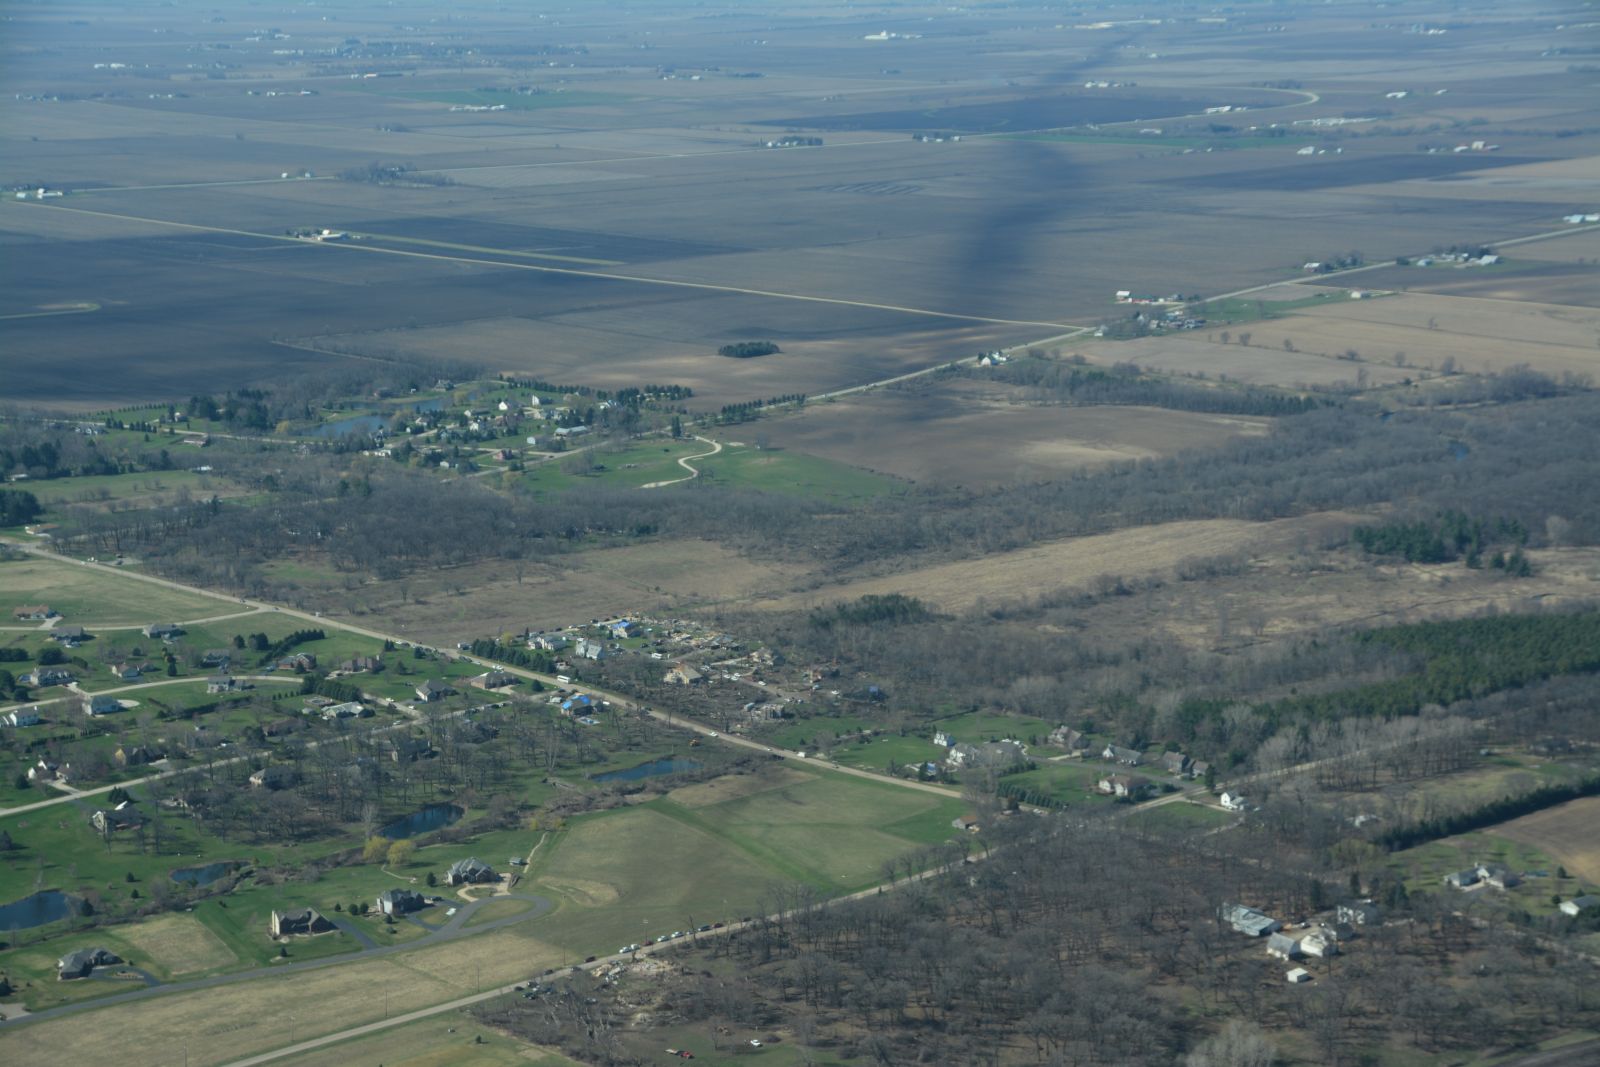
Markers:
794,473
123,487
445,1041
1066,783
623,468
1183,817
86,596
1237,310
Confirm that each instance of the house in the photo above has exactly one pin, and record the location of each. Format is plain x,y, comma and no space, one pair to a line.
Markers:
1199,769
582,704
127,671
684,674
275,777
1319,944
943,740
136,755
1487,873
348,710
163,630
300,921
1118,754
996,754
300,661
470,871
70,636
1249,921
33,613
1234,802
1579,905
1298,975
44,771
1123,785
401,901
78,964
407,749
360,665
594,650
549,642
1283,947
43,676
23,717
281,728
432,690
222,683
104,705
968,823
1359,913
122,817
1175,762
1068,738
493,680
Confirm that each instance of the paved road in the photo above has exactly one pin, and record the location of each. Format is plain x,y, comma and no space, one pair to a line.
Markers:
449,931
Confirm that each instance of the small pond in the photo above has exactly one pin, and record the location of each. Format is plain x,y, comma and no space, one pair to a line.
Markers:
432,817
354,424
666,765
41,908
207,874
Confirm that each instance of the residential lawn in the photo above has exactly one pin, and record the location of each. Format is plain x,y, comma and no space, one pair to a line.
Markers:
979,726
1425,867
87,596
498,909
1069,782
883,750
1184,816
775,470
627,467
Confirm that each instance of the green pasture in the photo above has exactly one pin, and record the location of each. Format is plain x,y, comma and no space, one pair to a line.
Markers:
87,596
795,473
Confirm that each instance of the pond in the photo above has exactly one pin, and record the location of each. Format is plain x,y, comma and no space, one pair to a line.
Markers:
666,765
207,874
429,818
41,908
354,424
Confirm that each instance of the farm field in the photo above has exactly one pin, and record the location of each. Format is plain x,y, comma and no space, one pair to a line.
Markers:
87,598
969,434
1074,563
1259,363
446,1041
1565,833
1426,330
1538,281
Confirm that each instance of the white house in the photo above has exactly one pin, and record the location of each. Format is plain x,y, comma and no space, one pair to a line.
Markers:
1578,905
1234,802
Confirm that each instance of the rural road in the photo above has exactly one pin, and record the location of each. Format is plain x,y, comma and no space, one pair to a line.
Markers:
683,461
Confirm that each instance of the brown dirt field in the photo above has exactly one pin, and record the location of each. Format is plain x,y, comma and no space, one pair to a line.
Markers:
974,434
1565,833
1262,362
1580,245
1078,562
653,578
1480,335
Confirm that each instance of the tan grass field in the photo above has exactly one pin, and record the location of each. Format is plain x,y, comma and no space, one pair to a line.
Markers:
87,597
1079,562
176,944
1580,244
449,1040
1566,833
975,434
735,786
230,1021
1480,335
